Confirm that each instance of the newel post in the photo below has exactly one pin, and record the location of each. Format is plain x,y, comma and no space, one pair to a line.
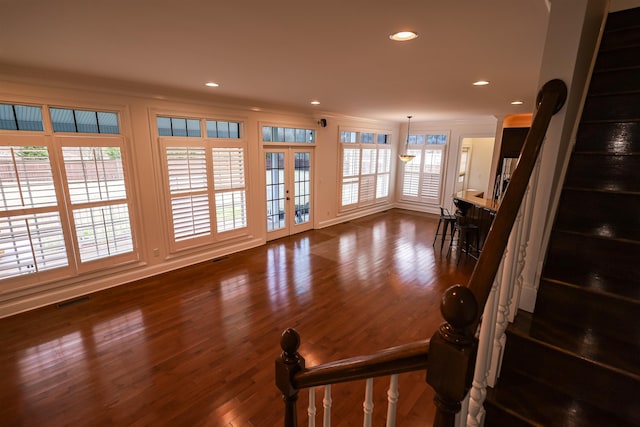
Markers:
452,354
287,365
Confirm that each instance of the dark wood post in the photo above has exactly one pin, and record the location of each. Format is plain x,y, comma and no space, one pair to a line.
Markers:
452,354
287,365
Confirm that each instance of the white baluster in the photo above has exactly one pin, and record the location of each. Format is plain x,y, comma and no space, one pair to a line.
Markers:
478,390
311,411
509,266
392,398
367,406
526,212
462,415
326,404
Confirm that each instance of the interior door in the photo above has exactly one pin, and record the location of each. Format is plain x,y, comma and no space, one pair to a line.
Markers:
288,178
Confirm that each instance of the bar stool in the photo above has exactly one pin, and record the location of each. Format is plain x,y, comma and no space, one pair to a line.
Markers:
468,234
449,221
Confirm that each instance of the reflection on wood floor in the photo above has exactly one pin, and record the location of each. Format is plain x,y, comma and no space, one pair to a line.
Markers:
196,347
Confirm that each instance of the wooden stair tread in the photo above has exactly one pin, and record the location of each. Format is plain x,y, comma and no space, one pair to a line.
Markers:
585,343
542,405
609,287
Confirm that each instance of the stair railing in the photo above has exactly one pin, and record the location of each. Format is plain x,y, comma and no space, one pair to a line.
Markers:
450,355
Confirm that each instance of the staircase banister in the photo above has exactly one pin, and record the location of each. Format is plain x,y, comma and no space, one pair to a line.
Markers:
449,355
550,100
394,360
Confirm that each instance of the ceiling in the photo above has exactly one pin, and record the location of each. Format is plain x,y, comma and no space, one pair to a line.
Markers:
286,53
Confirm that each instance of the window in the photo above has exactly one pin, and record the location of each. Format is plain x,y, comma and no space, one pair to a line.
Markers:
205,180
282,134
67,213
178,126
20,117
366,165
422,176
81,121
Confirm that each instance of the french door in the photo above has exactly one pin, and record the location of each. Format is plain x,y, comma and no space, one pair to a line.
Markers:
288,178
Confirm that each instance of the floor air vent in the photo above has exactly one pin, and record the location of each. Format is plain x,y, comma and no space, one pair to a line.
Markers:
72,301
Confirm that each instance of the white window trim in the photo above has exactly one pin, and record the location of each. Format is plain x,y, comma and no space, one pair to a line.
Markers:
54,142
208,144
419,150
372,178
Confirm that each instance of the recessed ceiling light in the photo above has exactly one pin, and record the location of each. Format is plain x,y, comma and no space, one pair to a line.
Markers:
481,83
315,102
403,36
517,102
212,84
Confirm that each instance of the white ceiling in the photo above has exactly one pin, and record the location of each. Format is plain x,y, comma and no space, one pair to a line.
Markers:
286,52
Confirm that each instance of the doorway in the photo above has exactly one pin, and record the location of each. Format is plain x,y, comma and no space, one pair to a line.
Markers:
288,178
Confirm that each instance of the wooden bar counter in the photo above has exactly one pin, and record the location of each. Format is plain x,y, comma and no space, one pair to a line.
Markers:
477,210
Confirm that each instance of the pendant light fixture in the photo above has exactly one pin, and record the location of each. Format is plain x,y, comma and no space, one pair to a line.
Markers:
406,157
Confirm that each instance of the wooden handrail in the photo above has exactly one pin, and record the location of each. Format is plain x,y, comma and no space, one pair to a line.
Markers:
453,346
550,100
449,355
291,374
395,360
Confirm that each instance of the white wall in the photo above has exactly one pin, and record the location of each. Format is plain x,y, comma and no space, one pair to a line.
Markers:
480,167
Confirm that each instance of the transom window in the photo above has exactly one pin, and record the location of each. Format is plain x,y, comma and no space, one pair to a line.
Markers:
20,117
182,126
284,134
83,121
366,167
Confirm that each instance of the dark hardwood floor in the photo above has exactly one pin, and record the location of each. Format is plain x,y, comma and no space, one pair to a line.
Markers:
196,347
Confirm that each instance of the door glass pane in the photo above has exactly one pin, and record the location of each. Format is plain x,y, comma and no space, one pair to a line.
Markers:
274,166
302,186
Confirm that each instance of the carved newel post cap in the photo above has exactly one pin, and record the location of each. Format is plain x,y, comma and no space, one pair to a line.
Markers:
290,342
458,306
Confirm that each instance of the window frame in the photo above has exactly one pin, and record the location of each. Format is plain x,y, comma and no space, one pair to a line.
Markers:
208,145
366,176
55,141
416,168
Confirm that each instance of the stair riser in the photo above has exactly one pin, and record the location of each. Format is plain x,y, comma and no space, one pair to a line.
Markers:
613,107
620,38
593,255
601,214
610,173
624,19
621,81
618,138
603,388
617,59
595,313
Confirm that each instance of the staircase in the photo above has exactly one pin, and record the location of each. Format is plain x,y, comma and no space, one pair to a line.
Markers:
576,360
